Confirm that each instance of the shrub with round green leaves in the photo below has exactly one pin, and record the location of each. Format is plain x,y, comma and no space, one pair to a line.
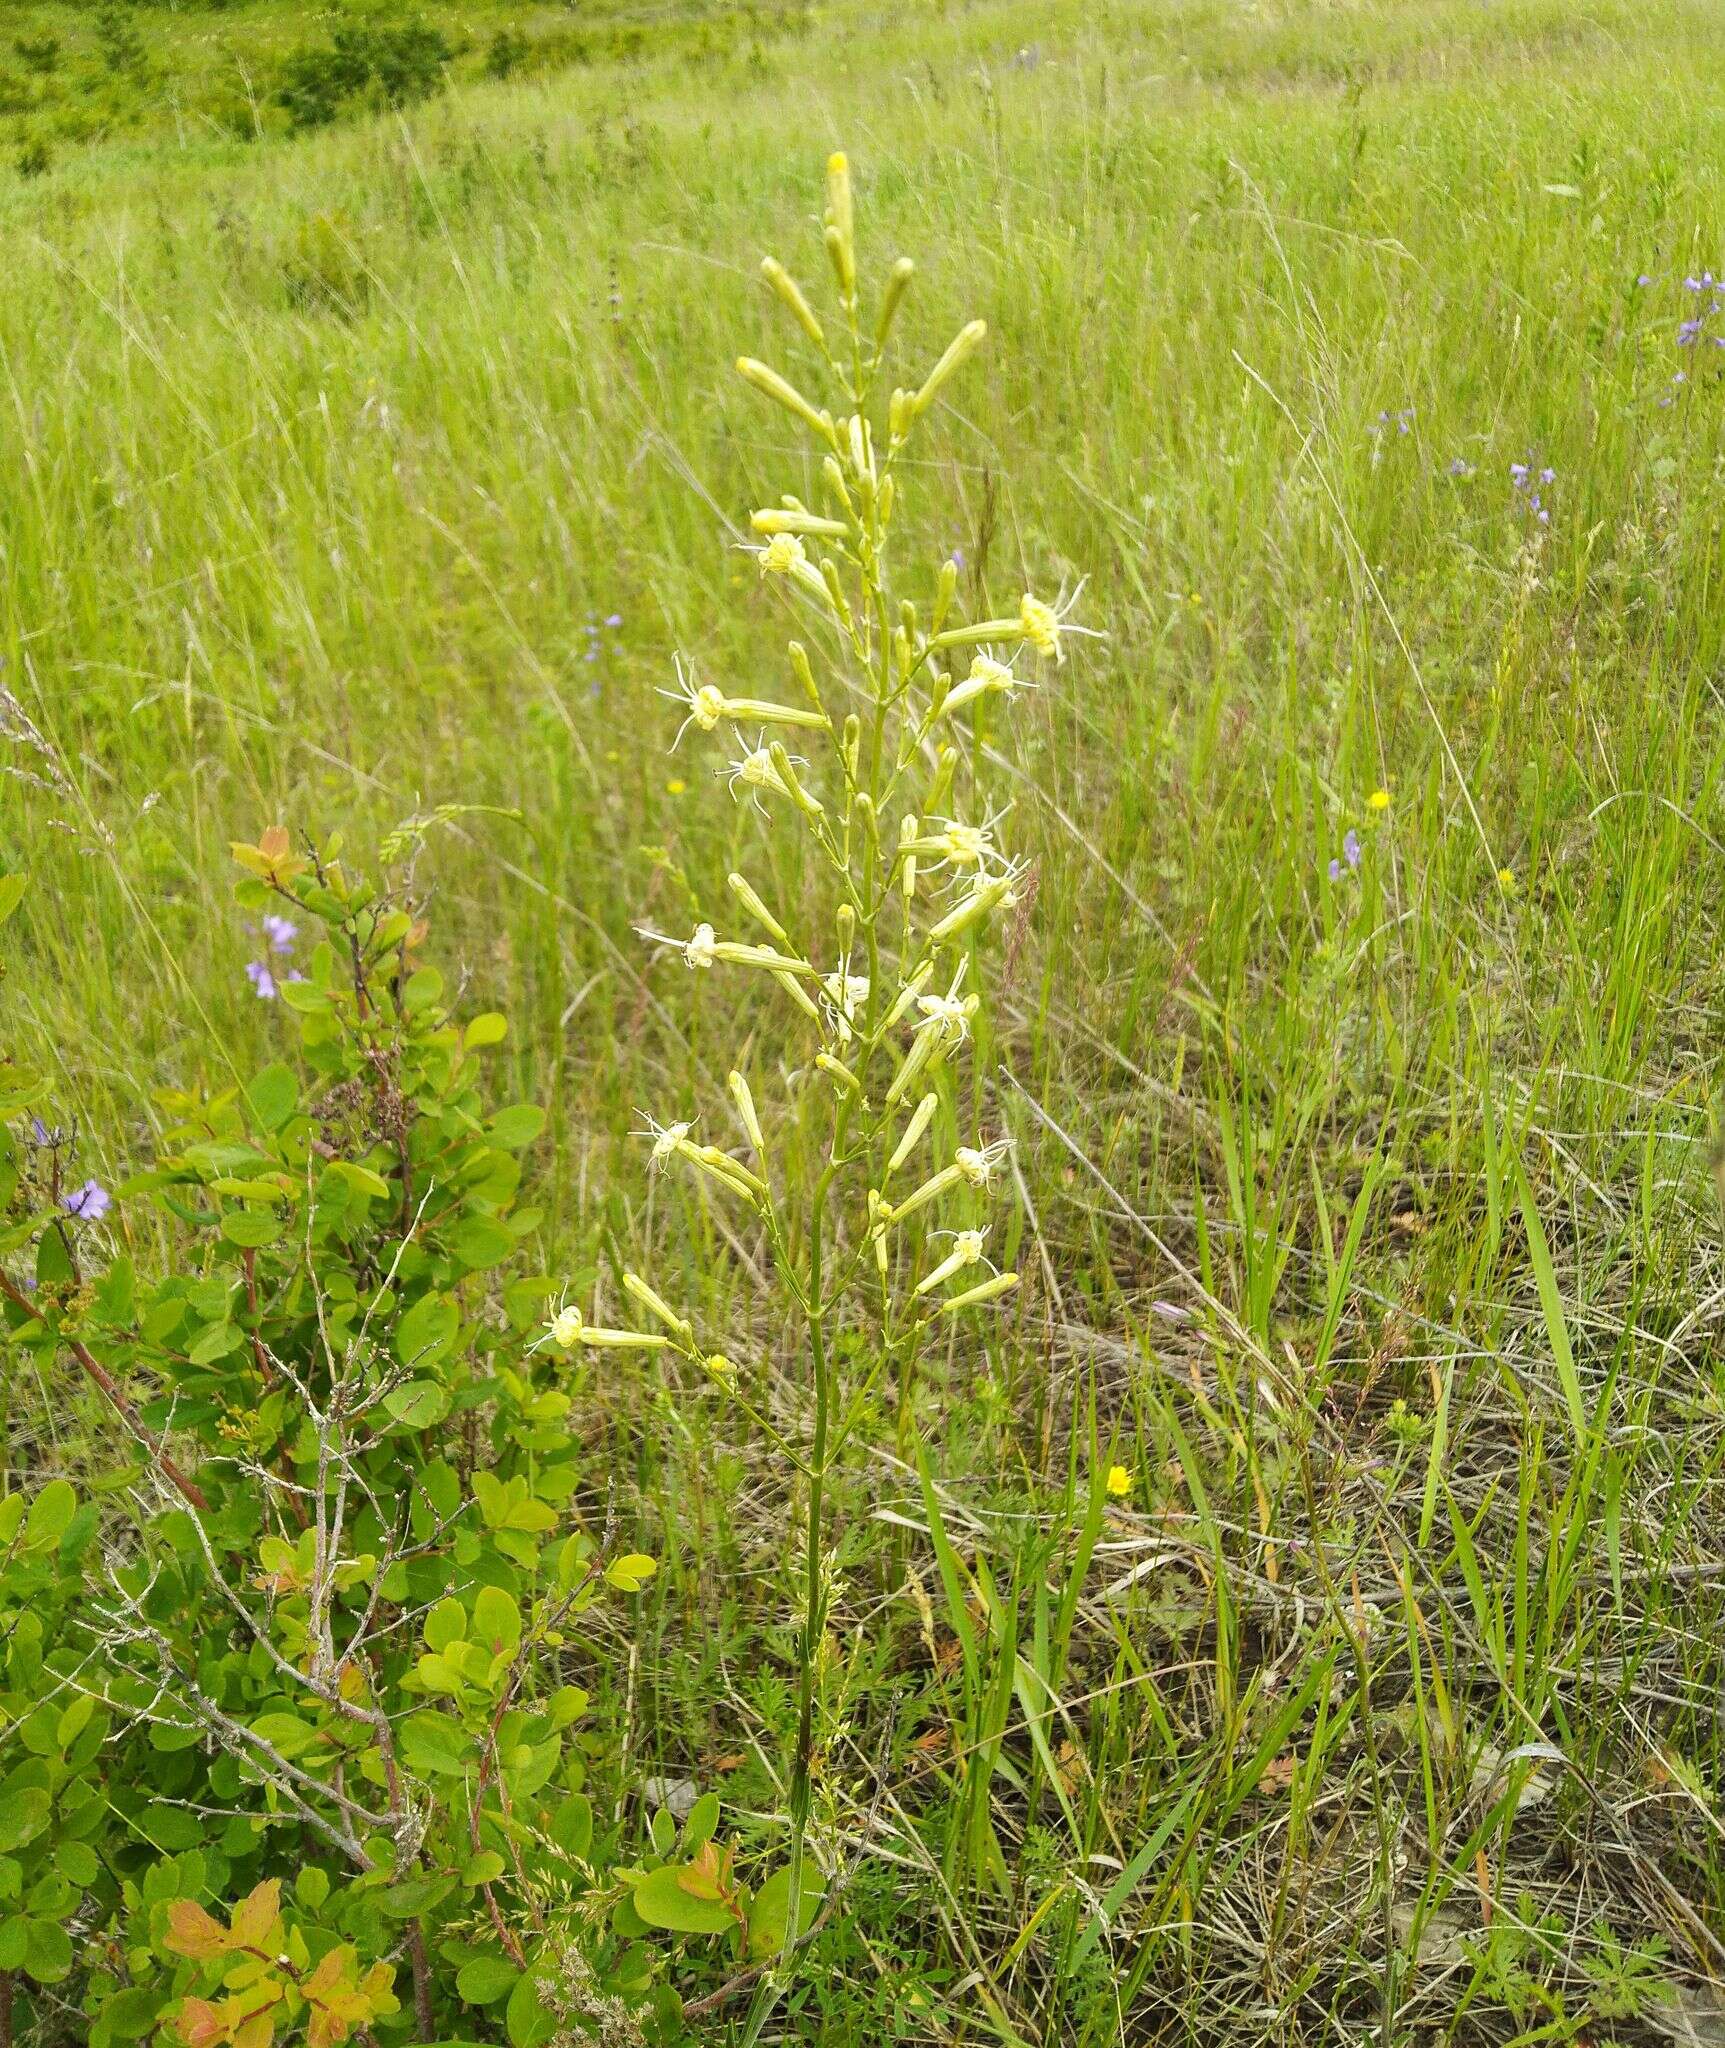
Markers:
292,1662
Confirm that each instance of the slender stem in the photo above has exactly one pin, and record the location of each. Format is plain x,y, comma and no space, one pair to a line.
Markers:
188,1489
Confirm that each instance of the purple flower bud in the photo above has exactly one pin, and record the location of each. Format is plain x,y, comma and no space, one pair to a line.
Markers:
1335,871
1351,847
262,980
89,1204
40,1132
281,932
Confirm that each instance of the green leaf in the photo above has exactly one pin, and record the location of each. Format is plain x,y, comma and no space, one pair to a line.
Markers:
417,1895
445,1624
50,1514
485,1980
362,1178
703,1819
662,1902
496,1620
1551,1304
274,1096
422,990
629,1574
489,1029
512,1128
251,1228
479,1242
529,2024
771,1910
417,1403
77,1863
427,1330
286,1732
572,1825
130,2014
14,1941
12,889
435,1742
485,1868
48,1952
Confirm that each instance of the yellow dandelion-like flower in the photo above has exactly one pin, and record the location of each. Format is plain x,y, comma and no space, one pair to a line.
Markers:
676,786
1119,1481
1379,800
1506,880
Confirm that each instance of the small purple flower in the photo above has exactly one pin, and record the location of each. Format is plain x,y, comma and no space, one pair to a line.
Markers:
1644,279
1686,332
281,933
614,621
1169,1311
89,1204
1518,473
40,1132
262,980
1351,847
1335,870
1460,466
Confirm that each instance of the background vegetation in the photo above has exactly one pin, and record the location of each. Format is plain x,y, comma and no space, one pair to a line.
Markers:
1369,1214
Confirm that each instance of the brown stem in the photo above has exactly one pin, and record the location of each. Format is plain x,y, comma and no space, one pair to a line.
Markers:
188,1489
5,2009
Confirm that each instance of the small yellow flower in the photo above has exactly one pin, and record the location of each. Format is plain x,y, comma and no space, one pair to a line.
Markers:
1506,880
1044,625
1119,1481
782,554
566,1328
676,786
1379,800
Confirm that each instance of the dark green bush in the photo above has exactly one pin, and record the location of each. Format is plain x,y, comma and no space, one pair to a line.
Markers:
375,64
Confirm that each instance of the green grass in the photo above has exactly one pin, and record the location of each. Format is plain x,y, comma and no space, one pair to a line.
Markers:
1372,1222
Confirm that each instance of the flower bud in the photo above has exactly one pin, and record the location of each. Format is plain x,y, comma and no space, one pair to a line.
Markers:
919,1121
778,519
745,894
959,350
940,784
798,995
946,584
784,393
985,897
790,291
745,1102
974,1297
810,806
841,222
636,1287
804,674
897,283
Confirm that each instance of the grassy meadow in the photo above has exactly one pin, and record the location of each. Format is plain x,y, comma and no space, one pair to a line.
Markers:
1359,1043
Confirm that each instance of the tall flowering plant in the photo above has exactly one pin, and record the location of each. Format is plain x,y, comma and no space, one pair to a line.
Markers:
887,1235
